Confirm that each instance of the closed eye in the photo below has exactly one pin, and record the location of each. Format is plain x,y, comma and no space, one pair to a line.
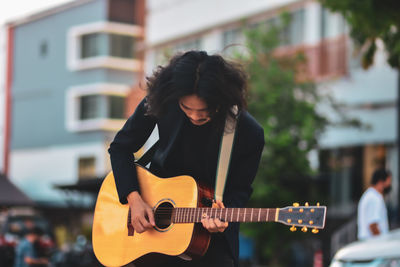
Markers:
190,109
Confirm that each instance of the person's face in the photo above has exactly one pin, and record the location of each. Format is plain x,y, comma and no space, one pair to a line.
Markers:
195,109
33,237
387,186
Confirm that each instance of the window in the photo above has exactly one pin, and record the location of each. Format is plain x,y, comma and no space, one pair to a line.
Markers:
189,45
89,107
233,36
96,107
90,45
43,49
293,34
121,46
103,45
233,42
116,107
162,55
332,24
87,167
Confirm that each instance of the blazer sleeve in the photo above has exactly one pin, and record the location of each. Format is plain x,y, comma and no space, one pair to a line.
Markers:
127,141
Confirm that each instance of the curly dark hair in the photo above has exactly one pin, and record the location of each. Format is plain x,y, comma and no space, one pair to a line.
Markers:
220,83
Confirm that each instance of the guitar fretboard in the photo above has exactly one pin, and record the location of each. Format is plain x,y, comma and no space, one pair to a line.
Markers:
190,215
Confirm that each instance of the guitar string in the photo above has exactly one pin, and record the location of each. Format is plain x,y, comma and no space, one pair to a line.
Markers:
190,210
190,215
166,212
158,211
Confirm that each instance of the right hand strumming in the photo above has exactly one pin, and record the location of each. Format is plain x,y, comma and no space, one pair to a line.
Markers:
142,217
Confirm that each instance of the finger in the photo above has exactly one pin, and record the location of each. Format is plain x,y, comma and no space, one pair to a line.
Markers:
220,204
212,226
137,226
204,222
145,223
221,225
218,223
150,215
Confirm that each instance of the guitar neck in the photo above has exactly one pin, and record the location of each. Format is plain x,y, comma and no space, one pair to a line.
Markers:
191,215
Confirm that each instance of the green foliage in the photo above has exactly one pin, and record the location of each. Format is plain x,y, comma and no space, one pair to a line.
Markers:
285,106
371,20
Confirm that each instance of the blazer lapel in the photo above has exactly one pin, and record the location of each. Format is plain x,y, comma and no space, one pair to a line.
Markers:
169,128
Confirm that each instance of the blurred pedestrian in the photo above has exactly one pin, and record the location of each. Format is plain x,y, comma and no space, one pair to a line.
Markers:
26,254
372,216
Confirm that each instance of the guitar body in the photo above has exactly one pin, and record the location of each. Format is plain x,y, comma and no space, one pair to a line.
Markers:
178,208
114,245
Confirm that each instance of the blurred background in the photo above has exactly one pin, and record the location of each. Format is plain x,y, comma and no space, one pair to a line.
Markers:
322,83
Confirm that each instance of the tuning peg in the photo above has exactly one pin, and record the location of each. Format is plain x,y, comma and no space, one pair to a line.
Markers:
315,231
317,204
304,229
293,228
296,204
306,204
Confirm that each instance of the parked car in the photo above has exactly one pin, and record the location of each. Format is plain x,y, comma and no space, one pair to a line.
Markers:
381,251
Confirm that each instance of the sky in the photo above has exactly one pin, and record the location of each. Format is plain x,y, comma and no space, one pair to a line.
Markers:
10,10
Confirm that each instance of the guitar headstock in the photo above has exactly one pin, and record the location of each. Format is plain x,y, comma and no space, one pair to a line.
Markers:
303,216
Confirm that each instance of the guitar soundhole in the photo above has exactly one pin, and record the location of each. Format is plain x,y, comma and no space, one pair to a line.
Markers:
163,214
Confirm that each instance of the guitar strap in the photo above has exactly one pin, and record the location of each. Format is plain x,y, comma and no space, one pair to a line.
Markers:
148,155
224,157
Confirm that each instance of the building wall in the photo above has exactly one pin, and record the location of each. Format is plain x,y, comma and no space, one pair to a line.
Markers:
2,95
307,31
40,82
45,148
37,170
171,19
2,128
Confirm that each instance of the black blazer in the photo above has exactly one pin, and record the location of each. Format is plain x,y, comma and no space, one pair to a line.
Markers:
245,158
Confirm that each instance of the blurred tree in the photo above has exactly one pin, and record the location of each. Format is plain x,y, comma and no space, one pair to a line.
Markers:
372,21
283,101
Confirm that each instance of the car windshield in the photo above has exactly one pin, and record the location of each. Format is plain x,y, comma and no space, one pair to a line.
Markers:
390,262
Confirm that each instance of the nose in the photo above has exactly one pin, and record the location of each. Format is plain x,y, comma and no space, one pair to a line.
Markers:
195,116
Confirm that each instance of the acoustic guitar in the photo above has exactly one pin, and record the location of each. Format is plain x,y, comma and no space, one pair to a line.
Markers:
179,204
